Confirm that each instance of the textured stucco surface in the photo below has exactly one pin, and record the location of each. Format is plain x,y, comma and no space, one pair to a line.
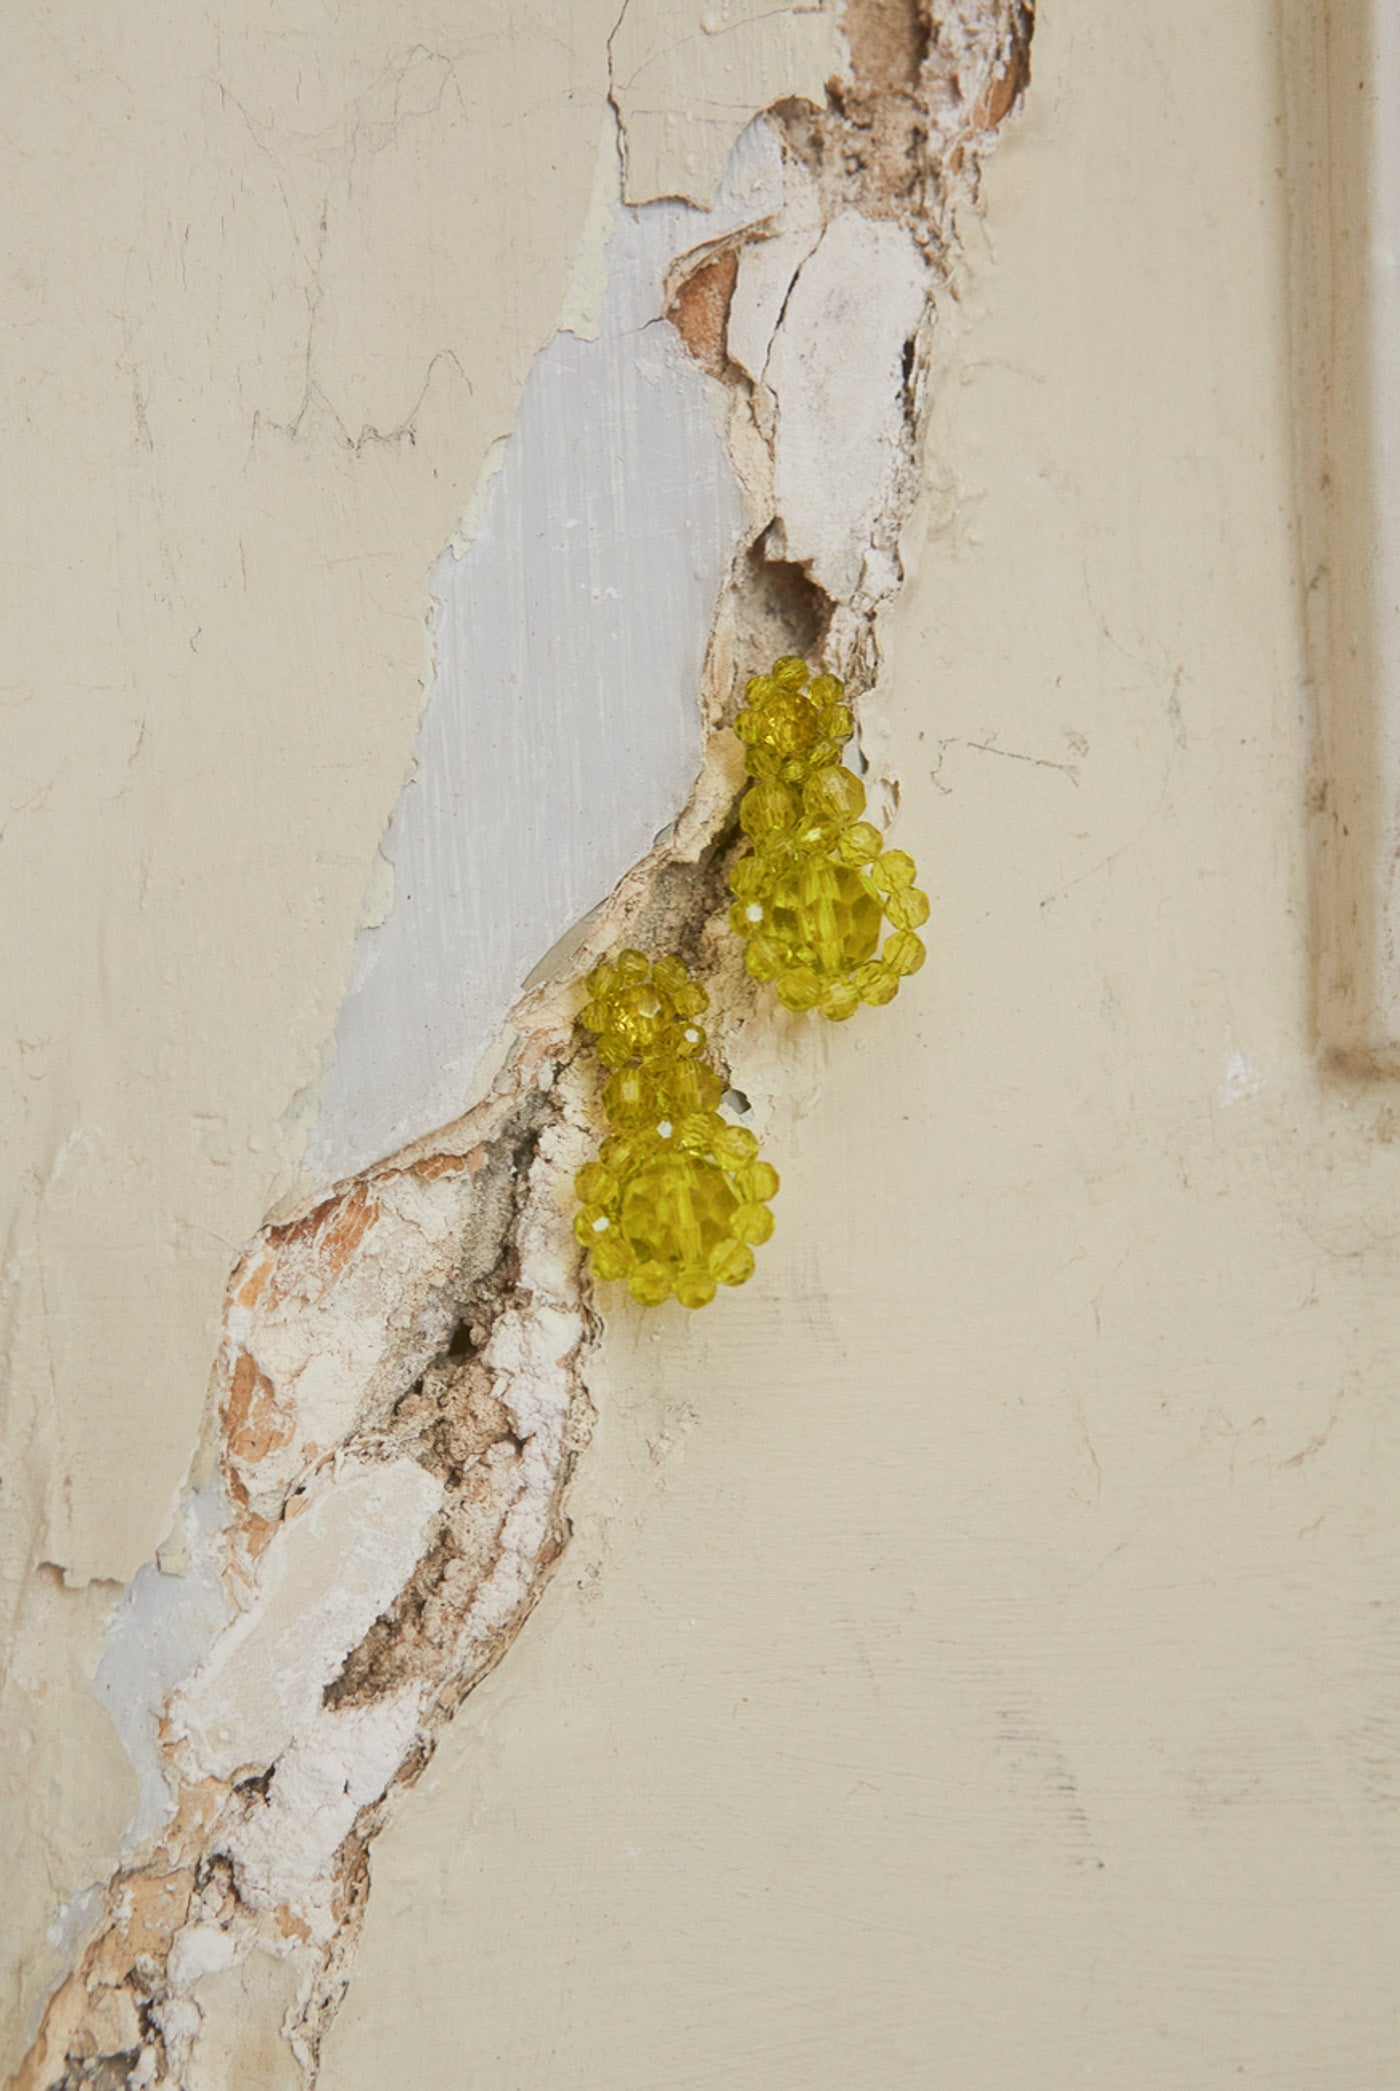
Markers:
975,1663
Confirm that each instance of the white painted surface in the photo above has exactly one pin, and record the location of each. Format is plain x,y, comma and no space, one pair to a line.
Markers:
563,729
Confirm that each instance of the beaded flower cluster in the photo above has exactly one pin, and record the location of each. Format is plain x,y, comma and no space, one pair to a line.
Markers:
677,1195
812,888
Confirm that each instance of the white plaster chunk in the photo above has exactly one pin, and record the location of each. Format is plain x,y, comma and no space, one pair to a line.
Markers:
198,1950
765,276
562,732
325,1578
836,372
343,1761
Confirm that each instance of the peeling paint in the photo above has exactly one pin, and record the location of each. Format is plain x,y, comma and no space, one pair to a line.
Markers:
399,1396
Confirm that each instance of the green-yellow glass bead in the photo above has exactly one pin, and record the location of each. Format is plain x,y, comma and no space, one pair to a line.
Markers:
732,1262
757,1183
695,1288
907,908
767,810
790,671
695,1134
595,1185
828,910
650,1283
611,1257
676,1209
747,878
591,1223
628,1098
595,1016
834,794
841,1000
620,1152
837,720
800,989
751,1223
612,1050
860,843
734,1145
894,870
904,952
601,982
692,1085
765,957
668,974
689,1040
877,983
827,689
632,968
757,690
747,917
690,999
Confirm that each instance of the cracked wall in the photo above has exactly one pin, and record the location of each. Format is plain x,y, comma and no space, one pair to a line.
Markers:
956,1628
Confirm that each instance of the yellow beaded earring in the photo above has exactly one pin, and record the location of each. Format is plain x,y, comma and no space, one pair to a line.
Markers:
815,881
677,1195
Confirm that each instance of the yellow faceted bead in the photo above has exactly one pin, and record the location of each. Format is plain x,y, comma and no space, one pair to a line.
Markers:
621,1152
757,1183
751,1223
860,843
834,794
747,918
841,1000
765,958
732,1262
640,1015
800,989
876,983
695,1288
650,1283
601,983
676,1209
827,689
904,952
893,870
692,1085
595,1016
689,1040
734,1145
611,1257
613,1051
757,691
632,968
668,974
595,1185
907,908
628,1098
748,877
828,910
790,672
591,1223
767,810
690,999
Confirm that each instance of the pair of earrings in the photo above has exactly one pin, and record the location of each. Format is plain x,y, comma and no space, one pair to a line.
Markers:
678,1197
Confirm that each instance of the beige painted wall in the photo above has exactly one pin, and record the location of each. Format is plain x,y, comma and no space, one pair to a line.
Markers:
974,1663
